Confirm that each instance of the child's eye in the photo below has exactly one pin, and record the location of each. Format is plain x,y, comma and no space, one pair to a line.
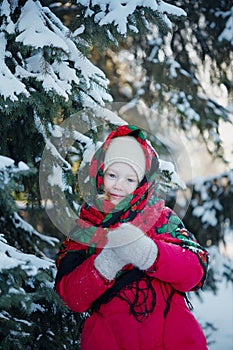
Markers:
131,180
111,175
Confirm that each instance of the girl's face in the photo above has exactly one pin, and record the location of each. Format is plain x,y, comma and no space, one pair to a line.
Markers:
120,180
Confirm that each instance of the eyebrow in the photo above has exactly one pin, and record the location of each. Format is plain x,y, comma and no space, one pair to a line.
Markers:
134,176
126,175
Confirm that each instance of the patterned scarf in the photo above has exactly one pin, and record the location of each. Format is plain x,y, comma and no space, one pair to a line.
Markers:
143,208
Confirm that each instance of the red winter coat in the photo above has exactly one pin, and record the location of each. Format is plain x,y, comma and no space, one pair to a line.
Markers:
112,327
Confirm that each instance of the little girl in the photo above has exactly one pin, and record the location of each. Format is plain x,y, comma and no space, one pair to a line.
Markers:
129,259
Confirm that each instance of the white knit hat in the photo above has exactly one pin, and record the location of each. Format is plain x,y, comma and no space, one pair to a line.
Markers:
128,150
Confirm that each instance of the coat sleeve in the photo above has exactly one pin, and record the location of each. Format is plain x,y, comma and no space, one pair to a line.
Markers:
177,266
83,285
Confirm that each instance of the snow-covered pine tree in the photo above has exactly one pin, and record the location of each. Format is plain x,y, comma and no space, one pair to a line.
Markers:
210,213
178,76
26,279
45,76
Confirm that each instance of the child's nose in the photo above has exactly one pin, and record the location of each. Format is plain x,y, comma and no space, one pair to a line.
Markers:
118,183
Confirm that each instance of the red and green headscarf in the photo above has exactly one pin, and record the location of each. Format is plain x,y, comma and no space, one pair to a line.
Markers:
98,212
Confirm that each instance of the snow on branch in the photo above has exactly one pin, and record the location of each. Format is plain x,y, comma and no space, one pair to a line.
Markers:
118,12
52,57
10,85
11,258
168,169
212,198
21,223
8,169
227,33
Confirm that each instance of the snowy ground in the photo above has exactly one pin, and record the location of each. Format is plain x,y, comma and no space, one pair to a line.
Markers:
218,310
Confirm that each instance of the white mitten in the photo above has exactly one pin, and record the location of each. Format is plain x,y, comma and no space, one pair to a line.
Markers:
108,263
132,246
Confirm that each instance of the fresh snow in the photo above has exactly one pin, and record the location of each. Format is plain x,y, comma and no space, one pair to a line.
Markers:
217,309
11,258
117,12
55,178
227,33
21,223
8,167
33,29
207,207
169,167
5,162
10,86
44,31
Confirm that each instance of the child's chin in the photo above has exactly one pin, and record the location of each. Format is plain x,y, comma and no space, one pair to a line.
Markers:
116,201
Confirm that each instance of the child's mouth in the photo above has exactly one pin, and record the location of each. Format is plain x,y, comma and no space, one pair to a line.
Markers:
116,195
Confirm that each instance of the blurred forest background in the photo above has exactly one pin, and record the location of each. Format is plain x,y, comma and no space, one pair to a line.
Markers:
70,72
